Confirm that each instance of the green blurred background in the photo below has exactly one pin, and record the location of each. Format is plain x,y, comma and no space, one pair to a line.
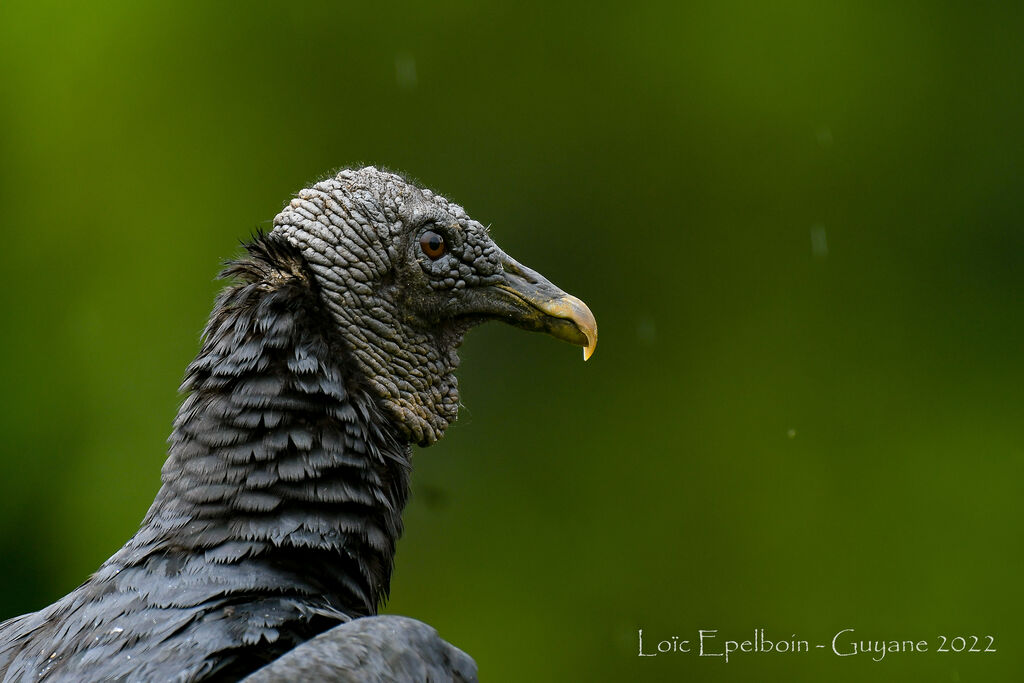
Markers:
798,225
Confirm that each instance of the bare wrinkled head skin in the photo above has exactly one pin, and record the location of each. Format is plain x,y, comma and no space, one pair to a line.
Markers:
402,312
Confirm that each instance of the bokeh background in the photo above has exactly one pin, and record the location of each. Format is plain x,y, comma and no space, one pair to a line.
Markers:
798,224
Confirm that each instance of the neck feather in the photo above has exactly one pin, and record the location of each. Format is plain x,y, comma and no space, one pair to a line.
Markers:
279,513
279,455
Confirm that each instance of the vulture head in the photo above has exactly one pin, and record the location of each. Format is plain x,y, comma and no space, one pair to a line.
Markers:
289,464
405,274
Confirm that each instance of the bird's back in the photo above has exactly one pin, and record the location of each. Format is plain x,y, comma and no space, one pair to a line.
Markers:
164,620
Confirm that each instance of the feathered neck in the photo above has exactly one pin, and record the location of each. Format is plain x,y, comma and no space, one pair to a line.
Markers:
278,517
279,513
279,456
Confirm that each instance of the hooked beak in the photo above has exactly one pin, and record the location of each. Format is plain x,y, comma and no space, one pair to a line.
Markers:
533,303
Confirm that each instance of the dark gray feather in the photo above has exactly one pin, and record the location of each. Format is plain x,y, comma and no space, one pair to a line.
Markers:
385,649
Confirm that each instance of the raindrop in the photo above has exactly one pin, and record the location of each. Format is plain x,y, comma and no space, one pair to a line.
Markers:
819,242
405,71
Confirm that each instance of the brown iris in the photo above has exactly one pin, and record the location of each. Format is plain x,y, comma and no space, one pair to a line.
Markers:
432,244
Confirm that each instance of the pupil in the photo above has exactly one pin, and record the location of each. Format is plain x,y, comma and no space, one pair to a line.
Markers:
435,242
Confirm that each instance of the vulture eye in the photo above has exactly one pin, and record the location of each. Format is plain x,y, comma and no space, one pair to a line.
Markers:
433,245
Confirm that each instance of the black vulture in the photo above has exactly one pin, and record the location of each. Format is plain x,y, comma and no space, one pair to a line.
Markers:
270,544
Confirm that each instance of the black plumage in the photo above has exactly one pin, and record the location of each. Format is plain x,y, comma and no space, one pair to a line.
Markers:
386,648
289,461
